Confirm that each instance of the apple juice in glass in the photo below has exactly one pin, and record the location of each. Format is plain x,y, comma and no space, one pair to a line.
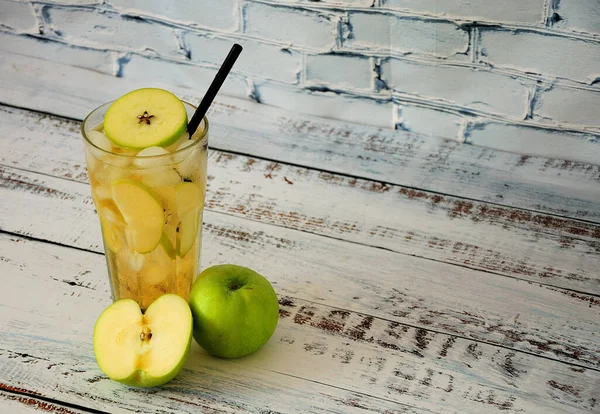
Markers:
148,181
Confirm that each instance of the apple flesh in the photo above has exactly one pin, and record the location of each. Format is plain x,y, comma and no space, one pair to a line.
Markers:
142,213
143,350
235,310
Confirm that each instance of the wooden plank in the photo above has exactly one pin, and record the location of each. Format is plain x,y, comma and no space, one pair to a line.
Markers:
554,186
554,251
17,403
320,358
552,322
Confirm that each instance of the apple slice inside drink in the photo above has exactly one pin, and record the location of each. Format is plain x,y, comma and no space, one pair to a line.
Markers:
113,225
188,231
190,200
142,213
143,349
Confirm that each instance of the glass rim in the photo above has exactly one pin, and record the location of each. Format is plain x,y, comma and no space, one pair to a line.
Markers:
200,139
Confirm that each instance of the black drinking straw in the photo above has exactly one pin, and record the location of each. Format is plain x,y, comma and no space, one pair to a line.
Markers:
214,87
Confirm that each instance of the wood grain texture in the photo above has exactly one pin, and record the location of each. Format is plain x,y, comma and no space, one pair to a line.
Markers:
517,314
14,403
554,186
320,358
555,251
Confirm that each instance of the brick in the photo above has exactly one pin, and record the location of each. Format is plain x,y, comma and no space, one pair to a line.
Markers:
536,141
328,105
18,16
570,106
98,60
429,121
541,54
354,72
175,75
220,15
405,34
579,15
354,3
265,60
109,30
467,87
76,2
297,27
517,11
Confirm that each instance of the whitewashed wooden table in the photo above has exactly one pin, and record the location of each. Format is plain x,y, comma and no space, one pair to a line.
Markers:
414,274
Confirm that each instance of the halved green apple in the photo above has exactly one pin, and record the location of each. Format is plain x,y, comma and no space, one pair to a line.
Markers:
144,118
142,213
143,350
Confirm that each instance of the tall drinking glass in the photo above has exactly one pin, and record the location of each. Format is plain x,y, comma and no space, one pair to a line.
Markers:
148,253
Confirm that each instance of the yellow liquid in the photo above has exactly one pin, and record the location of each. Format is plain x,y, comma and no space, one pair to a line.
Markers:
145,277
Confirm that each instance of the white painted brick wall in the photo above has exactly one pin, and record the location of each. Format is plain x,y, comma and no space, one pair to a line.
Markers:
268,60
428,121
319,30
98,60
18,16
109,30
330,105
520,75
579,15
405,35
218,15
570,106
471,88
543,54
352,72
544,142
187,76
355,3
524,11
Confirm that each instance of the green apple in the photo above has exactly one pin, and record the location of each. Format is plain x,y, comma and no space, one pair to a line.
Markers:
235,310
143,350
145,118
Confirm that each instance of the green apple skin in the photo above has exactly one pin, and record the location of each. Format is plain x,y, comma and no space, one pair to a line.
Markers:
235,310
141,378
